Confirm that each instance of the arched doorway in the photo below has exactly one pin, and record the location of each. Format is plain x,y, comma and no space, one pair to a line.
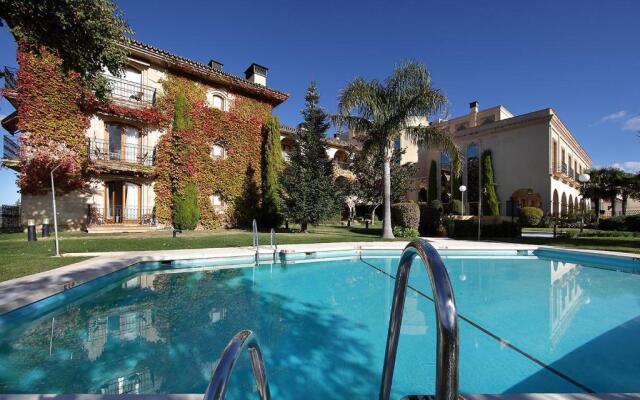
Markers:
570,204
563,205
422,195
556,203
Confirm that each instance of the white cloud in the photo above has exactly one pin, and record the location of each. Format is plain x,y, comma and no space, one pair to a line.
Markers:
632,124
629,166
616,116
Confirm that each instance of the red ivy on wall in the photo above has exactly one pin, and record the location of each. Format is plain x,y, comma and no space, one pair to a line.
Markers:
52,122
185,155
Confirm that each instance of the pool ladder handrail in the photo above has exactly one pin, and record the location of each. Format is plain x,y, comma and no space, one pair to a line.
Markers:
274,244
218,384
256,243
446,316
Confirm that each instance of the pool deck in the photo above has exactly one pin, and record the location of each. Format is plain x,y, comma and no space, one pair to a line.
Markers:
22,291
515,396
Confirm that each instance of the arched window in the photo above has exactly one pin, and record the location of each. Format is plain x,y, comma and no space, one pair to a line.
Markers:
445,178
217,100
217,201
218,152
473,176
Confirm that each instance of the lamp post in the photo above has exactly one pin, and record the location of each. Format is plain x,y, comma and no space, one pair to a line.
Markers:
462,189
55,214
583,178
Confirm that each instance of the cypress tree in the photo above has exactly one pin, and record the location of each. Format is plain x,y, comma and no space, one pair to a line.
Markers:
490,201
271,170
432,194
309,191
186,213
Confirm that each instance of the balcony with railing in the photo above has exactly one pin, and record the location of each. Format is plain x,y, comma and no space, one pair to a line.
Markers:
137,154
9,75
132,93
10,152
98,216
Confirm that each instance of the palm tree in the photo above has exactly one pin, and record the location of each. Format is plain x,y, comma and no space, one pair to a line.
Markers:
380,111
605,183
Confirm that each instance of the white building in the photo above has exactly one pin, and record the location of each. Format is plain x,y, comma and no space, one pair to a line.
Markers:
536,160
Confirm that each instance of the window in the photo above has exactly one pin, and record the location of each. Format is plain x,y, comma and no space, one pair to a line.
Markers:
216,201
218,152
217,100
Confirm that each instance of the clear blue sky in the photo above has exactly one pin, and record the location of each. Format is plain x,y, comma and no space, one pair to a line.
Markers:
581,58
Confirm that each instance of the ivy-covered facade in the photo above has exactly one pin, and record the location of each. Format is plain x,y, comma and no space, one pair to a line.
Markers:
121,161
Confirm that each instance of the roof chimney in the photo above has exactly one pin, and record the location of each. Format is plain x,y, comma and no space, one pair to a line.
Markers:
474,108
213,64
256,74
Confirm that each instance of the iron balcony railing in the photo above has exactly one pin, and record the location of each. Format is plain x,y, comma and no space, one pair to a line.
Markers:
130,153
135,92
10,148
9,77
121,215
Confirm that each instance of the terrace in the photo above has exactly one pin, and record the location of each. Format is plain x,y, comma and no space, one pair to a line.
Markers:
119,153
130,92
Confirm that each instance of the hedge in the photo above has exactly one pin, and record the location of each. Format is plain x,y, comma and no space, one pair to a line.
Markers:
406,215
469,229
530,216
430,218
621,223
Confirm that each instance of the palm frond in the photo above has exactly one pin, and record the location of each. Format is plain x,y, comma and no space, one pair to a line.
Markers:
433,137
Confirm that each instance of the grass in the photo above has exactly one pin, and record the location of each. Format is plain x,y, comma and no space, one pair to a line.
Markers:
622,243
20,258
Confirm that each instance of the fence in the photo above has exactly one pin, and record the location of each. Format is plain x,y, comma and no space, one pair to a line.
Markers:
10,219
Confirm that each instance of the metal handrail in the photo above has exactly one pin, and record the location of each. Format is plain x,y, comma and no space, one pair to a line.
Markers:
274,244
229,357
256,243
446,315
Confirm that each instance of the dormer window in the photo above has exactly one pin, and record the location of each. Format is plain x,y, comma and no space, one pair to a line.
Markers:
218,152
217,100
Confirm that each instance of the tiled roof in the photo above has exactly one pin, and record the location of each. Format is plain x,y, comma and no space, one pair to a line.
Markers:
178,61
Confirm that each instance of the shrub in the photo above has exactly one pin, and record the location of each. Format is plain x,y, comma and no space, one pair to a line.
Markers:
530,216
437,204
456,207
632,222
406,215
469,229
185,208
430,218
404,232
616,223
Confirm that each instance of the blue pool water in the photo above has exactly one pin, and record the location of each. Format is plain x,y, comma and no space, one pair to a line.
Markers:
323,324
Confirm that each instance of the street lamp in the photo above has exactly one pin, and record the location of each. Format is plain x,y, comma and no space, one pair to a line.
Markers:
583,178
55,214
462,189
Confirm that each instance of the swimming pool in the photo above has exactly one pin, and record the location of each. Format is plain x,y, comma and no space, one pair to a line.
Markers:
529,322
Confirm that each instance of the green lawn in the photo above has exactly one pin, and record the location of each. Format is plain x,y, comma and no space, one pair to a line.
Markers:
20,257
626,244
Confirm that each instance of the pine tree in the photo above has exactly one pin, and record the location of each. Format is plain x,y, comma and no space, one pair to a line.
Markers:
309,191
272,168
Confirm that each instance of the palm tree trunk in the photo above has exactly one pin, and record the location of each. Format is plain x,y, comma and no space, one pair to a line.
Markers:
625,197
304,226
387,232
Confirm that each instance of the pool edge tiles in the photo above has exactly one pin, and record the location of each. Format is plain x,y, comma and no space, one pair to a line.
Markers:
621,262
